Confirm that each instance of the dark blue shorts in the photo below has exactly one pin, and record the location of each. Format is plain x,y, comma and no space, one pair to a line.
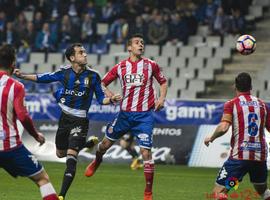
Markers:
140,124
20,162
235,170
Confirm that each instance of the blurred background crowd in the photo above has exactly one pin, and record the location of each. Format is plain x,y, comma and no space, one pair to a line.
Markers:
50,26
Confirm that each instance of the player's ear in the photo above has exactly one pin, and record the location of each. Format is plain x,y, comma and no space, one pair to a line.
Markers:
72,58
129,48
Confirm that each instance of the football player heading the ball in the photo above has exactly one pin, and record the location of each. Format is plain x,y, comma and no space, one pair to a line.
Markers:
136,116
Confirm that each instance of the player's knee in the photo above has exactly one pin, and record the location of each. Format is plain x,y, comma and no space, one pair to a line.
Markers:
71,164
41,178
60,154
146,154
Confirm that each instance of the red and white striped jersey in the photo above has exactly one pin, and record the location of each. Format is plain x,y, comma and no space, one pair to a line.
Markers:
12,108
136,79
250,117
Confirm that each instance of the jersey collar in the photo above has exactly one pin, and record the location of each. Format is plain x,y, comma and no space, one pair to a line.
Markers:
243,93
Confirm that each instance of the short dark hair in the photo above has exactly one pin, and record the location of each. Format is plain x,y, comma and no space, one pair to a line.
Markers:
7,56
70,51
243,82
133,36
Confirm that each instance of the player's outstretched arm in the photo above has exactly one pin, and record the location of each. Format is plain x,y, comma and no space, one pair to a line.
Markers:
30,77
221,129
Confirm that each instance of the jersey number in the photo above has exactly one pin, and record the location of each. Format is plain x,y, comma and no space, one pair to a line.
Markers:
252,126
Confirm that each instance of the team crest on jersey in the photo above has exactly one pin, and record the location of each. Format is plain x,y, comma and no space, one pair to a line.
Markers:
86,82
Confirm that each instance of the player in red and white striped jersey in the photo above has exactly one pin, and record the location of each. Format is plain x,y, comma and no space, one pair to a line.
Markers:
136,75
249,116
14,157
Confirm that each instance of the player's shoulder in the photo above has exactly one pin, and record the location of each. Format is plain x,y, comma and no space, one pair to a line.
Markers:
92,71
17,83
65,67
231,101
145,59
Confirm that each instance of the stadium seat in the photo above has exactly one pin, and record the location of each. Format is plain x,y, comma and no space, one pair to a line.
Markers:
151,50
196,85
187,73
195,40
102,69
173,92
214,63
169,50
187,51
45,67
223,52
213,41
203,30
37,58
179,62
205,52
256,11
196,63
92,59
55,58
188,94
169,72
107,60
116,48
264,94
206,74
181,83
229,41
28,68
122,56
102,28
162,61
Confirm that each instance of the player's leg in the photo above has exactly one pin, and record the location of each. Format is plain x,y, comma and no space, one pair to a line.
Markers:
143,130
46,189
228,177
258,176
20,162
78,129
127,143
114,131
149,169
102,147
62,134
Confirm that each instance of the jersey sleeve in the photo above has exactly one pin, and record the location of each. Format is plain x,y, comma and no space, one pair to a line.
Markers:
158,74
98,90
110,76
227,112
50,77
21,111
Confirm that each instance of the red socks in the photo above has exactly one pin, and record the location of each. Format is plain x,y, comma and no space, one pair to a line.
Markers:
51,197
149,175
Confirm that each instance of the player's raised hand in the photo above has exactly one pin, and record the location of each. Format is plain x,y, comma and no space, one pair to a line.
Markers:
159,104
18,73
40,138
207,140
116,98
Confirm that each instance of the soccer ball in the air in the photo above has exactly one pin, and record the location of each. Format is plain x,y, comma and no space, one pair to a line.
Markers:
246,44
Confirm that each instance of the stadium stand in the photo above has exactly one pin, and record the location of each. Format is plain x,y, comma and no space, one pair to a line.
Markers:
202,57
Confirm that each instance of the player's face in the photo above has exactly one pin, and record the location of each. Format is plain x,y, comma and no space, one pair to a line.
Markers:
80,56
137,46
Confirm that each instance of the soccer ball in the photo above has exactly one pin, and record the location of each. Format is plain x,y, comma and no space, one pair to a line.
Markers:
246,44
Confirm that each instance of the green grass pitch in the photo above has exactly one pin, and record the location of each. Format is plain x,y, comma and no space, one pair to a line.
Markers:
118,182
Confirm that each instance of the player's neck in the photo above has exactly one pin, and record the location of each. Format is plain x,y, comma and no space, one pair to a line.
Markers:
134,58
78,68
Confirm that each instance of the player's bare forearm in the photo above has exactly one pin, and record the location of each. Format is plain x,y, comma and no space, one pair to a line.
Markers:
221,129
30,77
163,91
106,90
114,99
